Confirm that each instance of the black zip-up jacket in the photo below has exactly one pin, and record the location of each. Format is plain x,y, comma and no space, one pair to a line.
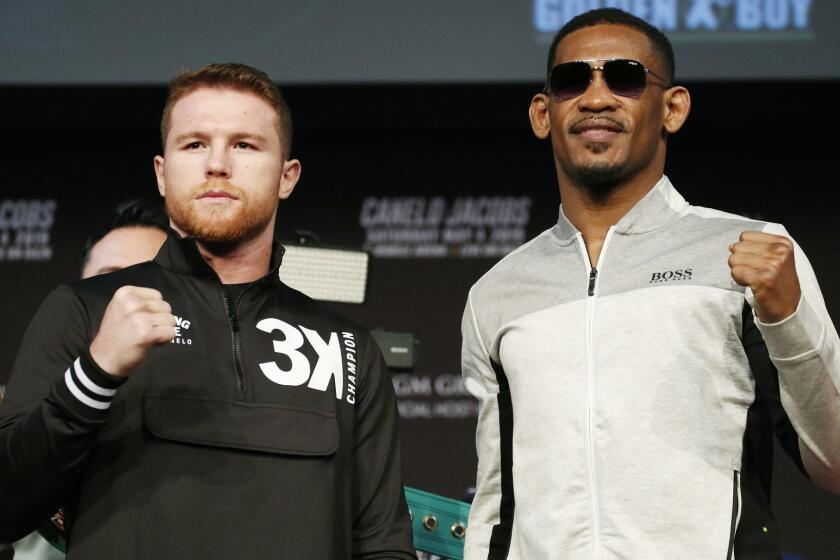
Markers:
266,429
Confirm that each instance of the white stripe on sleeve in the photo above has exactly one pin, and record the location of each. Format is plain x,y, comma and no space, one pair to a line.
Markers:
90,385
74,389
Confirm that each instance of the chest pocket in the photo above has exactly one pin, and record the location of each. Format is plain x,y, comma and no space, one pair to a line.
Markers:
218,422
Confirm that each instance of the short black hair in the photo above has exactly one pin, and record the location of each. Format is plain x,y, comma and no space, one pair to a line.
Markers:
136,212
660,42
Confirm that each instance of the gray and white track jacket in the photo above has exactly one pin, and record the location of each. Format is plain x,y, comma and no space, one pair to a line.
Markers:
628,411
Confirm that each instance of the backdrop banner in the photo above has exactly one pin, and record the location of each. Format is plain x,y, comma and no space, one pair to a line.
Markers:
116,42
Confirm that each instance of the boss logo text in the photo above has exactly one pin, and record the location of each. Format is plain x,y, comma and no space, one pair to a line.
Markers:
671,275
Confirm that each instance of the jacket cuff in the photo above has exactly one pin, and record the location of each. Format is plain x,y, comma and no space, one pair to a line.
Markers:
795,336
86,389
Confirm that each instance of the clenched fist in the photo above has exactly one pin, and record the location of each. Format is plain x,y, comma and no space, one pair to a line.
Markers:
135,320
764,263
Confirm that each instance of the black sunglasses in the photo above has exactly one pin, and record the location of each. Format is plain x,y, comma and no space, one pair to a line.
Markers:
626,78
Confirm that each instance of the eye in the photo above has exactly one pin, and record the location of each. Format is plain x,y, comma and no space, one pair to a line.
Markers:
193,145
243,145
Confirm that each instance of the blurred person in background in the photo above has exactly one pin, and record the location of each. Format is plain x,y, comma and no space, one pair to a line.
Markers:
135,233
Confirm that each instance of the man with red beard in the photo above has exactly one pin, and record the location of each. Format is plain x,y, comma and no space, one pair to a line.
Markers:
195,406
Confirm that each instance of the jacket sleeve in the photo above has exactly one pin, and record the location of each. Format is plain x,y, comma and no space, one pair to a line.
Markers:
381,525
805,350
489,522
56,400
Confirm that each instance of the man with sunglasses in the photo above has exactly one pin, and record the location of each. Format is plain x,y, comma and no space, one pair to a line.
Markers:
634,361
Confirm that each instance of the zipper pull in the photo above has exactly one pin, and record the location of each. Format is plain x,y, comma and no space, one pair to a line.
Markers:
593,275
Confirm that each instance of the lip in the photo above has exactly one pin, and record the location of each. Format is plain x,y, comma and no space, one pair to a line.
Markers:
217,195
598,135
597,130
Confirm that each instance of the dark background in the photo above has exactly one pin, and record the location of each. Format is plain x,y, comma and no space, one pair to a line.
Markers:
763,149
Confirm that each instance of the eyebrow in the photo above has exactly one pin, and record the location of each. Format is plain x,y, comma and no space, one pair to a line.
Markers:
249,135
189,135
204,136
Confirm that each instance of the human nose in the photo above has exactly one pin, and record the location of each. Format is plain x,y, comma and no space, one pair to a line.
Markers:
218,162
597,97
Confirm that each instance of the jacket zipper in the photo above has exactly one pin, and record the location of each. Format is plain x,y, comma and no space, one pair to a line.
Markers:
233,321
593,276
591,291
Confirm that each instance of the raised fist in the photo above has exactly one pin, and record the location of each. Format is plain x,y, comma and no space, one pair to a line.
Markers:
764,263
135,320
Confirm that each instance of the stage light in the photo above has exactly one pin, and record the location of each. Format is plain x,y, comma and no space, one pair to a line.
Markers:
326,273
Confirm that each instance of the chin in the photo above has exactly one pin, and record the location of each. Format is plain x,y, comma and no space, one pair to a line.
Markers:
597,147
216,231
599,176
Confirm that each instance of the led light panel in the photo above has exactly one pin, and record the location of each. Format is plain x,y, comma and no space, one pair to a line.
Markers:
326,274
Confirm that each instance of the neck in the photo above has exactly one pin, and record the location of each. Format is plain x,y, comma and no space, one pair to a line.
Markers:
240,261
594,212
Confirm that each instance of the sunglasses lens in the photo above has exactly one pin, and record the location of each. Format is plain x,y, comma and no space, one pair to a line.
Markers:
625,77
569,80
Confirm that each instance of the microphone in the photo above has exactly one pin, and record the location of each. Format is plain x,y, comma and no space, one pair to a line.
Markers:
6,552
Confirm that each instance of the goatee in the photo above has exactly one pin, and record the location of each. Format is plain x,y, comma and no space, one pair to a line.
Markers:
599,178
218,224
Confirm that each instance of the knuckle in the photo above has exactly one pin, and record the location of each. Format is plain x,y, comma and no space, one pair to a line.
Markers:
780,249
129,292
119,297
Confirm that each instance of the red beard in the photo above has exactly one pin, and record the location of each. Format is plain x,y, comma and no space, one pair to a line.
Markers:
238,220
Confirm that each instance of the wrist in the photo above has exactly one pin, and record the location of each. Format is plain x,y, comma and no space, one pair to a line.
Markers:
103,362
774,316
99,375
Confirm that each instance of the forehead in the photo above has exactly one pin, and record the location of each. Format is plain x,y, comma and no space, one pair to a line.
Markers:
607,41
216,109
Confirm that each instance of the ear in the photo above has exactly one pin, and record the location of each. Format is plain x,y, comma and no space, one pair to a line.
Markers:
538,113
677,107
289,178
159,174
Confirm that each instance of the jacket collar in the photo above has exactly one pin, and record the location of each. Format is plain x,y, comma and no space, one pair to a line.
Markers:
181,255
661,206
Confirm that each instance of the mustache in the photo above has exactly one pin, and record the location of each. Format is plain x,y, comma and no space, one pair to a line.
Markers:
218,185
574,127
